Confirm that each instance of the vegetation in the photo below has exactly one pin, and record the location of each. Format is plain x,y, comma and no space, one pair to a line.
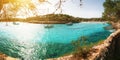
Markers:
61,18
112,10
81,51
51,18
82,48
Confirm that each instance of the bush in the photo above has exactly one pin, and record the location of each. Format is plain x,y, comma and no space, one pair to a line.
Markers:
81,49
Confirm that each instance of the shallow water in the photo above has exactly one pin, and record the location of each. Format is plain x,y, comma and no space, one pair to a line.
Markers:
33,42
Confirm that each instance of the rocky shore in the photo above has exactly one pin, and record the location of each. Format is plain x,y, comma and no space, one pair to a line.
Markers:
116,25
108,50
104,51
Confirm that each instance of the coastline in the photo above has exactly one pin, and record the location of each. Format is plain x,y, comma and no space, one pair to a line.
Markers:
54,22
98,52
103,51
70,55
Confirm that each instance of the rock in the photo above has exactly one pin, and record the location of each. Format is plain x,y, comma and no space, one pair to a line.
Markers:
2,56
5,57
10,58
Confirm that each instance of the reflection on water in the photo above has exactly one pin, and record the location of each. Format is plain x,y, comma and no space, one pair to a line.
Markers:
33,41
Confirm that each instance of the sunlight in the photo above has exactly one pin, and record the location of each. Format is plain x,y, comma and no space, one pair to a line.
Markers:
40,9
27,8
44,7
25,35
26,32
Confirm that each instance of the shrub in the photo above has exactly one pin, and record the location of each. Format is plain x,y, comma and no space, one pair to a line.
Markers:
81,49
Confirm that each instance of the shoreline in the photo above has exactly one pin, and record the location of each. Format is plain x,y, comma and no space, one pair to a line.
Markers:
54,22
6,57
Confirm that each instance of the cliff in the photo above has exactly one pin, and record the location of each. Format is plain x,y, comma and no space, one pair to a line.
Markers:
109,49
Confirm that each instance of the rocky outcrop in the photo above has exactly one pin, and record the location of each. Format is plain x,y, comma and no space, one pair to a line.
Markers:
115,25
5,57
109,49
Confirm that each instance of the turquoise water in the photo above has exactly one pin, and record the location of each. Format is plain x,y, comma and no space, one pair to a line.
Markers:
29,41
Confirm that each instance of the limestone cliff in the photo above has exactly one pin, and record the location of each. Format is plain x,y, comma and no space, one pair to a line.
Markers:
109,49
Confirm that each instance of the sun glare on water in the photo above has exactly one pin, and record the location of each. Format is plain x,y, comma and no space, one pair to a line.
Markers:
26,35
28,32
24,32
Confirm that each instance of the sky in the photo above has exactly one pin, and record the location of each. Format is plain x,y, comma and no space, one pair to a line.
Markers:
89,9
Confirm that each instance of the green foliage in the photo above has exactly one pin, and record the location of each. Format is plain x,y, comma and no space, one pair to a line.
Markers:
96,43
55,18
81,48
61,18
112,9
